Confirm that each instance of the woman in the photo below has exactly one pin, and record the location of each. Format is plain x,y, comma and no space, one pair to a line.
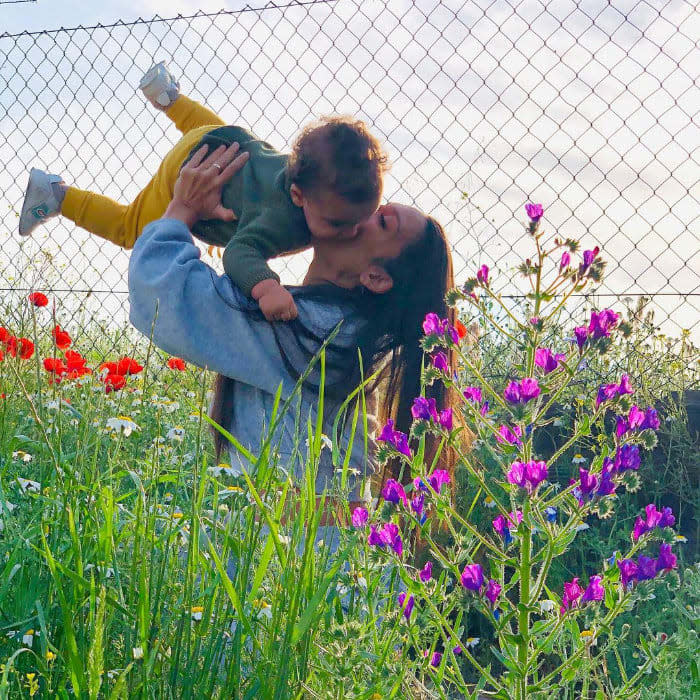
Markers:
396,269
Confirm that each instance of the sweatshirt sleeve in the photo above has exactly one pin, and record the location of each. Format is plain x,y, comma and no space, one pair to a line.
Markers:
196,314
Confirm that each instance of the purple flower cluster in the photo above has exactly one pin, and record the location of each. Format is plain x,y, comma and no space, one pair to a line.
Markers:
426,573
534,212
472,579
482,275
548,361
637,420
627,457
600,325
510,436
473,393
574,594
406,603
426,409
502,525
592,486
607,392
395,438
388,536
646,568
523,391
436,480
434,325
393,492
654,519
360,516
588,257
565,261
527,475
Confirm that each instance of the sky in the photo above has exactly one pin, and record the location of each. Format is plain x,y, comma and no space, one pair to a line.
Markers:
588,107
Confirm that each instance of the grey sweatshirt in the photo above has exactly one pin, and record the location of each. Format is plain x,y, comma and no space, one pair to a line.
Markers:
203,318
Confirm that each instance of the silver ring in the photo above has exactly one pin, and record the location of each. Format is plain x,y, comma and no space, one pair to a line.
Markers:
216,165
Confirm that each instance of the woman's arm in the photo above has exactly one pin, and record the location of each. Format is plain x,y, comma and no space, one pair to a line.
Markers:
190,311
197,315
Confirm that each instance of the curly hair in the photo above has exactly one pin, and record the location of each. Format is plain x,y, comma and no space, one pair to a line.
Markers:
338,153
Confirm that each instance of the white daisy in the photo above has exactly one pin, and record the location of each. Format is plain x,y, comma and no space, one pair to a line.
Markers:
582,527
579,459
23,456
472,642
196,612
137,653
28,485
176,434
28,638
680,539
546,606
489,502
122,424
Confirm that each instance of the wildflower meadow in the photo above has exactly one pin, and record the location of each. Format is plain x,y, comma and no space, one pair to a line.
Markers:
559,560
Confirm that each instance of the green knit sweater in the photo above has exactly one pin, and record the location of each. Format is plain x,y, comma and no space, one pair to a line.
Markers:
269,223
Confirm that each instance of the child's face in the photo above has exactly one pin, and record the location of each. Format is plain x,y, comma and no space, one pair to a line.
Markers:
330,216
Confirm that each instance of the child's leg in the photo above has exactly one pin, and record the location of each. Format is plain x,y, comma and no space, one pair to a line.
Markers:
123,223
187,114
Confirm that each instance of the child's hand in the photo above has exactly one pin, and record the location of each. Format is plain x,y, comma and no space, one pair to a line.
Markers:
276,303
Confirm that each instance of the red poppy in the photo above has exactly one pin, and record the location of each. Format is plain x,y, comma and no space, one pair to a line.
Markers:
55,365
176,363
2,355
38,299
11,346
114,382
128,365
111,367
26,348
460,328
74,360
62,338
4,334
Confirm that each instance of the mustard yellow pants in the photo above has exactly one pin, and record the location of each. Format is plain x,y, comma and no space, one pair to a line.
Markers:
123,223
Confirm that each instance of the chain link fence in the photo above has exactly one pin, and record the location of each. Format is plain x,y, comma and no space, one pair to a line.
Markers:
589,107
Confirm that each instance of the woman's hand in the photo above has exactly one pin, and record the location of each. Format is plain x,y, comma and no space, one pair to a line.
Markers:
197,191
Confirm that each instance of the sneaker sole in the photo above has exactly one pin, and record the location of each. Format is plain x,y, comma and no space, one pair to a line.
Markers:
39,212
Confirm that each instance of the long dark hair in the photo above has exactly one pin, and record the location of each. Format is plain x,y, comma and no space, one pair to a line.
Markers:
389,340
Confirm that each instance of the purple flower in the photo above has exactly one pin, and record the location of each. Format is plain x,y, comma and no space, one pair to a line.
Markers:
432,325
535,321
602,323
588,482
565,261
625,387
527,475
621,427
667,560
509,436
581,335
417,503
484,408
424,409
375,538
639,528
627,457
654,518
594,590
529,389
588,257
628,571
667,518
551,513
435,659
512,392
502,525
572,592
651,419
607,485
646,568
445,419
406,603
387,536
493,590
438,478
635,419
545,359
359,517
472,577
426,573
534,211
473,393
390,534
393,492
440,362
395,438
606,393
482,275
457,650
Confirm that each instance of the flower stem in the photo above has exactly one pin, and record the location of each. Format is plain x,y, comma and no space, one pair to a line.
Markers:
524,613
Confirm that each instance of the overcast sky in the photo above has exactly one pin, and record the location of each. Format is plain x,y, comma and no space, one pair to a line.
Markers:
587,107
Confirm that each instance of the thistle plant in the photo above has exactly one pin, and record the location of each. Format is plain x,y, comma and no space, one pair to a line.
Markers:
548,639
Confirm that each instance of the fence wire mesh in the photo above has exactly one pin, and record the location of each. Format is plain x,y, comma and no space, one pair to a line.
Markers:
589,107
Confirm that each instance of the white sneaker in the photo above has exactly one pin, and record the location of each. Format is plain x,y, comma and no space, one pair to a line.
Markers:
159,87
41,201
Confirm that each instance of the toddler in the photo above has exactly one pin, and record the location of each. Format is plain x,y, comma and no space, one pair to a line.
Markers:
330,182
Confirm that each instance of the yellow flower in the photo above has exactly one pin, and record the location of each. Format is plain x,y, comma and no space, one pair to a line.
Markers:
196,612
50,656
